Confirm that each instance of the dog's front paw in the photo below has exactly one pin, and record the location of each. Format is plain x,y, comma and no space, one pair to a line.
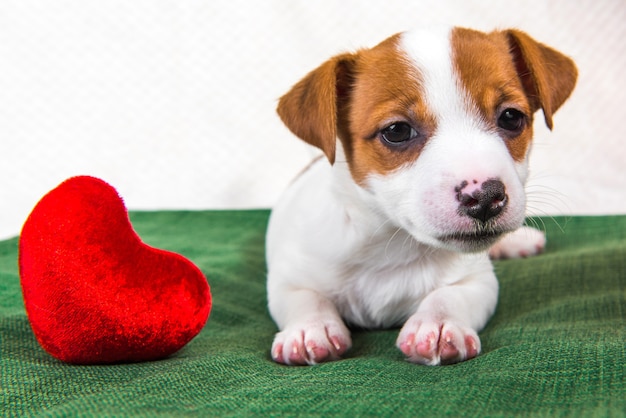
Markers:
311,343
524,242
431,342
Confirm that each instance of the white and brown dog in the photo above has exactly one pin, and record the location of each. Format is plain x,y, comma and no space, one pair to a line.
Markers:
426,138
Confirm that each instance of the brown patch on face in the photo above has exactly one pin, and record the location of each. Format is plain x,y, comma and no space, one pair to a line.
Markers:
386,90
488,75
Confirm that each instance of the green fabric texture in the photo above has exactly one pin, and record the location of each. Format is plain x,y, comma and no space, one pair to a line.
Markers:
555,347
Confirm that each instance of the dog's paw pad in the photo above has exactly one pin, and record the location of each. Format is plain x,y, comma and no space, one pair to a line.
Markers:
432,342
524,242
311,343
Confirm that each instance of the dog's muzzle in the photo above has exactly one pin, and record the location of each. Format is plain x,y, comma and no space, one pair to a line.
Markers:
483,203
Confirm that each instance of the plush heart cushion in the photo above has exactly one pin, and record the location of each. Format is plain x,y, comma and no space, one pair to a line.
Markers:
93,291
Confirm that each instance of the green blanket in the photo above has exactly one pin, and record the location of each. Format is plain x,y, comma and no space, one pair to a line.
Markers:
555,347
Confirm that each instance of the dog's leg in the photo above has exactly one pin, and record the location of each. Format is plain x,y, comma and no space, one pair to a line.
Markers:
524,242
444,328
311,329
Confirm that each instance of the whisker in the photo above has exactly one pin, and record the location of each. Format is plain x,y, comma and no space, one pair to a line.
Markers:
377,230
389,241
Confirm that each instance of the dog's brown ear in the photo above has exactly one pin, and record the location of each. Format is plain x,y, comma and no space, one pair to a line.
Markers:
311,108
547,75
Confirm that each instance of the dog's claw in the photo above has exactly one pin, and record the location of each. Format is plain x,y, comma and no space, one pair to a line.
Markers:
277,353
471,347
339,347
405,346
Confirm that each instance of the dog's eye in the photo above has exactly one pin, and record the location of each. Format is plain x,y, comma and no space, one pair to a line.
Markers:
398,133
512,120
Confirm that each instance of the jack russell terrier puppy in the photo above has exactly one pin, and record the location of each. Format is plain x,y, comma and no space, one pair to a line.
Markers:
426,138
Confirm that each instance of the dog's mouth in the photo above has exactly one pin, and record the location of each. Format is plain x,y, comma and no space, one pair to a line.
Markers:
472,241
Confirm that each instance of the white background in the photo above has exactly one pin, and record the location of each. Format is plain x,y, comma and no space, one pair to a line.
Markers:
172,102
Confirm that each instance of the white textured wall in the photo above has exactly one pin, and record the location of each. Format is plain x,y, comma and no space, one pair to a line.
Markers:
172,102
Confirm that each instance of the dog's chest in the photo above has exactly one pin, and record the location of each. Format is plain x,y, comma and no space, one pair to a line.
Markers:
383,289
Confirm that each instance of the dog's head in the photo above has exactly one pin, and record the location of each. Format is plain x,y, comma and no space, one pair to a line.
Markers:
435,126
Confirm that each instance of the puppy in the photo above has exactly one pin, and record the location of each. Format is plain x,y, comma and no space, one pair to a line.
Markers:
426,139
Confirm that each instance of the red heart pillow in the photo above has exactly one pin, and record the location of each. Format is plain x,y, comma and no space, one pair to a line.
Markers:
93,291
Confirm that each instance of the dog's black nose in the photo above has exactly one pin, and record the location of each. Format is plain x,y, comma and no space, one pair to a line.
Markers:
484,203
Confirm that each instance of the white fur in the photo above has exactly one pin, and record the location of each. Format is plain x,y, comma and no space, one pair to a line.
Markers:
373,255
